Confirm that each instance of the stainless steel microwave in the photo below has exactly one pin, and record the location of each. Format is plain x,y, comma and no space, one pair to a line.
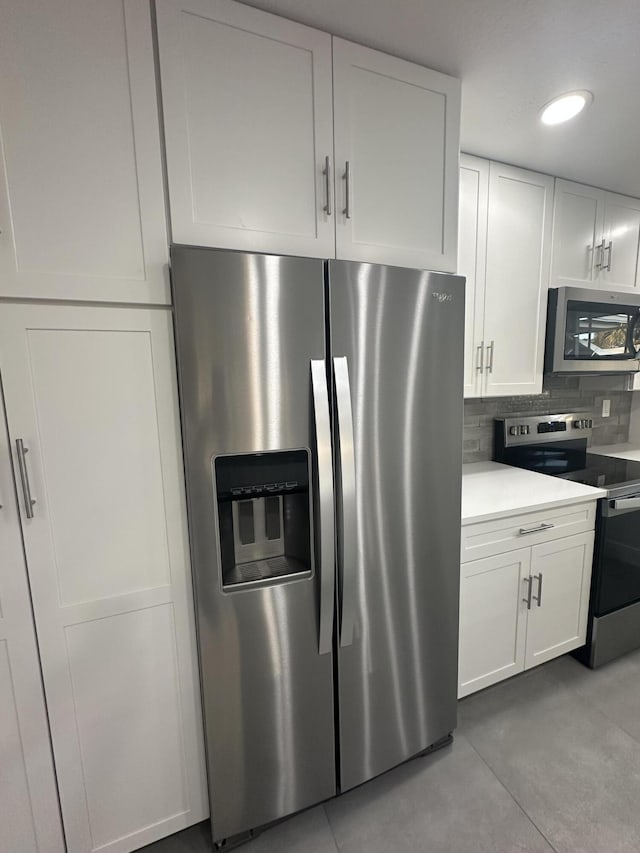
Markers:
592,331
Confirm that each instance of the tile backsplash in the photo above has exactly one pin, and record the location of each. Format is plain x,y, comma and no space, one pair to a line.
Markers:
560,394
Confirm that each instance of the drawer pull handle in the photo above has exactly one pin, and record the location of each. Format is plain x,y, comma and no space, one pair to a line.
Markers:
544,526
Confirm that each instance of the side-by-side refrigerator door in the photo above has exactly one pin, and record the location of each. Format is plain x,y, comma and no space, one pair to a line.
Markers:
255,418
397,360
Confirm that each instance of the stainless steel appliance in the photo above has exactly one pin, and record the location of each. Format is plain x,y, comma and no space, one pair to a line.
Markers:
557,445
322,423
591,331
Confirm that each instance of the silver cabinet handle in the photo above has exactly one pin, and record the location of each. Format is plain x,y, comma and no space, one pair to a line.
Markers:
599,248
538,597
490,351
480,357
347,190
527,600
608,248
29,502
347,542
326,519
524,531
327,184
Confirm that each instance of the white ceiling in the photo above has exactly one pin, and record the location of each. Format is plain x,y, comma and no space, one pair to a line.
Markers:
513,56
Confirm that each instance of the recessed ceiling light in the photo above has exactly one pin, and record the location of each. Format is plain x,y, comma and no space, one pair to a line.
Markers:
565,107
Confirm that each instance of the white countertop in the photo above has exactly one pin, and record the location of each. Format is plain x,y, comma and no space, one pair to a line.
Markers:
491,490
621,451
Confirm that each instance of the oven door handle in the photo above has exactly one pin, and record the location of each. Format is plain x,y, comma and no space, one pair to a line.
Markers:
620,506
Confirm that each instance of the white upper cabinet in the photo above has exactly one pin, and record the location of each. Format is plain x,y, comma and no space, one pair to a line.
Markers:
621,242
396,169
248,127
253,106
577,234
91,393
472,257
82,210
596,237
518,257
29,814
504,250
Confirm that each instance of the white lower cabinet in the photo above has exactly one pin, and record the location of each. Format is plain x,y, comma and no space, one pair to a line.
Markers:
90,396
522,607
560,580
492,627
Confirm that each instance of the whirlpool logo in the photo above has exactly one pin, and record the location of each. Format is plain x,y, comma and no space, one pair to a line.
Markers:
442,297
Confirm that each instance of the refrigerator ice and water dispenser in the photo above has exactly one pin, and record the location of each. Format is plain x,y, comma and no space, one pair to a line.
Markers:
263,515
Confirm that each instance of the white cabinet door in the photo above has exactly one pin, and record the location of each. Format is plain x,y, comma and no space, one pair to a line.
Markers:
518,256
472,254
577,235
561,576
29,813
91,392
82,210
621,239
493,619
248,126
397,140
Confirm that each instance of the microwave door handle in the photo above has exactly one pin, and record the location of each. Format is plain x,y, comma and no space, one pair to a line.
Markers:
326,519
633,328
347,542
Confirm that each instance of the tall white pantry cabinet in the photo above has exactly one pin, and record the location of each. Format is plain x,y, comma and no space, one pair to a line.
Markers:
94,437
100,721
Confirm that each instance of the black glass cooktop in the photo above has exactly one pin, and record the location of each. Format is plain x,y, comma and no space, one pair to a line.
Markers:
605,472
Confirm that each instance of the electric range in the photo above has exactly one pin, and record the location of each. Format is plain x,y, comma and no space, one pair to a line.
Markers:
558,445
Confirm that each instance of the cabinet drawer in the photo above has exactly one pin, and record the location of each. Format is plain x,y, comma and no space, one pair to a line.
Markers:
517,531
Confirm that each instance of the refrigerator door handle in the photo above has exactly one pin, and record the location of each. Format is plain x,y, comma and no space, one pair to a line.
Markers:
325,503
347,544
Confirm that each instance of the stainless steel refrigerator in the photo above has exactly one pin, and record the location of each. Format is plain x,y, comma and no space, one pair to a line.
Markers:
322,422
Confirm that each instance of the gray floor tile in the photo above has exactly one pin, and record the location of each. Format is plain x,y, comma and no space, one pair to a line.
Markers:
449,802
308,832
614,688
575,773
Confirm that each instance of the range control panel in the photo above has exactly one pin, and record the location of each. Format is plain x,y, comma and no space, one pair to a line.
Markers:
524,429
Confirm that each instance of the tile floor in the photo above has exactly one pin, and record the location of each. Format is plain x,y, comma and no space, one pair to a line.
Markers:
548,761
